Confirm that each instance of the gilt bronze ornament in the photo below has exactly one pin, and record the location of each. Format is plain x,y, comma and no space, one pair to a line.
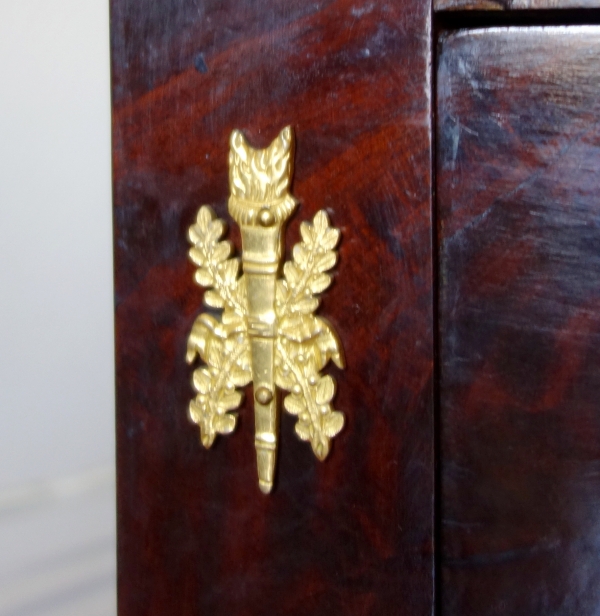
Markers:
268,332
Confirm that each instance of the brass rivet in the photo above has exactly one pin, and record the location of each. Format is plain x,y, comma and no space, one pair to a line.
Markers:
263,395
265,217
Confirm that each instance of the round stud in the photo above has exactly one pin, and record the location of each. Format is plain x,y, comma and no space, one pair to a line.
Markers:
266,218
263,395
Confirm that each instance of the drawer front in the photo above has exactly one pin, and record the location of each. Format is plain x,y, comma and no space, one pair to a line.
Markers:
519,229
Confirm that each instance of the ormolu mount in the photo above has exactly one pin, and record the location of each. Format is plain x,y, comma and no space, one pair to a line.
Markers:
268,332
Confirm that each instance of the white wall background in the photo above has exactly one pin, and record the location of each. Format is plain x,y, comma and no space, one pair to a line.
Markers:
56,327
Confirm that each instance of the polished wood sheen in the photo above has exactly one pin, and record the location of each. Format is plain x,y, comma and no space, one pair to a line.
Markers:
519,226
351,535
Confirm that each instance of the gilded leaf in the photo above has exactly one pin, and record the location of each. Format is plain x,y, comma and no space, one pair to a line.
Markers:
225,424
221,252
204,218
294,405
290,271
330,239
333,423
231,318
207,437
319,283
190,353
320,445
214,355
230,271
202,381
204,278
197,340
215,383
230,400
321,222
316,420
299,327
306,305
194,412
213,299
281,292
197,256
301,255
325,390
307,233
239,377
284,380
302,430
306,342
326,262
214,231
328,344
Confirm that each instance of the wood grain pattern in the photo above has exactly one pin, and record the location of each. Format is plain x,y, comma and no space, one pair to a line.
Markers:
352,535
518,186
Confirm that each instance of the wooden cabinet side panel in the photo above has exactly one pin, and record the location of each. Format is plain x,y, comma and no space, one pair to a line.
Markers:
519,226
351,535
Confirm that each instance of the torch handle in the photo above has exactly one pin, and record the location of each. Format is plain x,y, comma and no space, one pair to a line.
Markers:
260,259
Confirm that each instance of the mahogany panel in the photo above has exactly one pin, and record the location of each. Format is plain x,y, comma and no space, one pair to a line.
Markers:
519,228
352,535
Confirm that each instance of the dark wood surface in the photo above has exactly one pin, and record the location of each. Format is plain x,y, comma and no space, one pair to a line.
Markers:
513,5
519,227
352,535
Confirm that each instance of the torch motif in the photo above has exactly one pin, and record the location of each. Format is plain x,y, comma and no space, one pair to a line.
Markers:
268,332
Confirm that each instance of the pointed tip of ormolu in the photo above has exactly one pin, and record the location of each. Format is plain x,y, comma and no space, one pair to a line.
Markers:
265,486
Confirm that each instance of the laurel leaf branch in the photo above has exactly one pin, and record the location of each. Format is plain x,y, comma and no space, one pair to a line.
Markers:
306,275
305,342
215,267
310,397
223,345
